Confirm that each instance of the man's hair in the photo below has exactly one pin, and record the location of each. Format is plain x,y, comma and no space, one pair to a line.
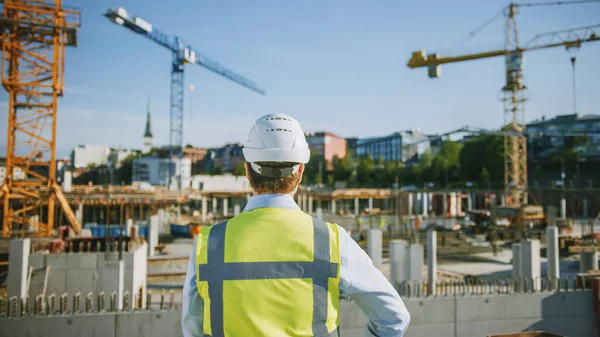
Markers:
263,185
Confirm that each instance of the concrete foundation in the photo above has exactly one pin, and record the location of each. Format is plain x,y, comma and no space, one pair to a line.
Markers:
531,263
18,267
152,235
319,213
588,261
552,252
564,314
431,261
399,261
374,246
89,272
67,184
516,261
204,208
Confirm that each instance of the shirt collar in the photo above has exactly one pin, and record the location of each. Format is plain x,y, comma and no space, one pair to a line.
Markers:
271,200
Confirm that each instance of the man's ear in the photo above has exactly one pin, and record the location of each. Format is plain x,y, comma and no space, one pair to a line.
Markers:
301,171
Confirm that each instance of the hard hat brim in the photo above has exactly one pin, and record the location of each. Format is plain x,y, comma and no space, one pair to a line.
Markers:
254,155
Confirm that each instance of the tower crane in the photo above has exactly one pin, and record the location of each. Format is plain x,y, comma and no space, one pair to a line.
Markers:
182,54
33,37
515,160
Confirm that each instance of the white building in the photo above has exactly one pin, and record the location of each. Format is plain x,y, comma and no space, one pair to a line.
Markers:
85,155
18,174
155,171
221,183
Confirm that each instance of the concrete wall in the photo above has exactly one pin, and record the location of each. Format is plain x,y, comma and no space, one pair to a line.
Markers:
73,272
563,313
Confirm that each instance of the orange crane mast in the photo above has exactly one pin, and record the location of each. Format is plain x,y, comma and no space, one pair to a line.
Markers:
34,34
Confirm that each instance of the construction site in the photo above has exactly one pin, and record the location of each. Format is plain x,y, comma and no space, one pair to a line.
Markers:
110,260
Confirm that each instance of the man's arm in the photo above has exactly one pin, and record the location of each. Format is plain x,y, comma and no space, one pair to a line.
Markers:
371,291
192,305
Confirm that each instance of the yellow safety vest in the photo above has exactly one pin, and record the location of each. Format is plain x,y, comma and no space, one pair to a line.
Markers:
269,272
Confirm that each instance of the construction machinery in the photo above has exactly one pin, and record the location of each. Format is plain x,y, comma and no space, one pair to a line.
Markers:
34,36
182,54
514,91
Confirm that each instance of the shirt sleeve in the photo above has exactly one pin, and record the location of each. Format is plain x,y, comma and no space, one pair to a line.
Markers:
371,291
192,311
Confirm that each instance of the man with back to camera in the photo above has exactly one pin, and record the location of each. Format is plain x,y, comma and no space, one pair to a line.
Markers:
274,270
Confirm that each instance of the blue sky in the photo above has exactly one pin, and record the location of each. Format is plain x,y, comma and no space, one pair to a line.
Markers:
334,65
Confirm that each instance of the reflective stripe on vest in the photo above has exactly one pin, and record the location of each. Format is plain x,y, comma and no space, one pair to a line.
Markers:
319,271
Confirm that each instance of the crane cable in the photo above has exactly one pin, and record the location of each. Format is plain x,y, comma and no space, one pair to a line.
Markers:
477,30
503,11
555,3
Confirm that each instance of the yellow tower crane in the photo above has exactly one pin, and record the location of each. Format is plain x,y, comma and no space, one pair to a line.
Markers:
515,144
33,36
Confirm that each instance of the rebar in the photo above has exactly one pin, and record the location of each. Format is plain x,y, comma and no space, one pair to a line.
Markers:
52,304
77,303
113,301
13,304
38,307
89,302
126,304
64,299
101,299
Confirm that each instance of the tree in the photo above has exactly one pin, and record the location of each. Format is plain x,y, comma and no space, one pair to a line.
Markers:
446,164
485,176
342,168
239,169
125,171
314,169
573,147
483,152
365,169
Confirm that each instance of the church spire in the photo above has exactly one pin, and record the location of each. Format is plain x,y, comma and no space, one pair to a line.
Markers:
148,132
147,140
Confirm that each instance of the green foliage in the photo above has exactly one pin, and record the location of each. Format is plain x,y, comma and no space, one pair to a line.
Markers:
125,171
572,148
482,159
239,169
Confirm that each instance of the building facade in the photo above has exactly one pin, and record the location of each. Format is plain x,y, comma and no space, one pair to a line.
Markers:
155,171
18,174
545,135
327,145
406,146
228,156
86,155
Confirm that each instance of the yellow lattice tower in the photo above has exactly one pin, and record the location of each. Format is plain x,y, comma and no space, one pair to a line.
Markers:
34,36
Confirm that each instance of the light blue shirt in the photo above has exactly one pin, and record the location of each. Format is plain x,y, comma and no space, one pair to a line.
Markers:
359,280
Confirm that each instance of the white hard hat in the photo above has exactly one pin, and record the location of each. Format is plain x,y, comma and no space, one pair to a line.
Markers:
276,138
